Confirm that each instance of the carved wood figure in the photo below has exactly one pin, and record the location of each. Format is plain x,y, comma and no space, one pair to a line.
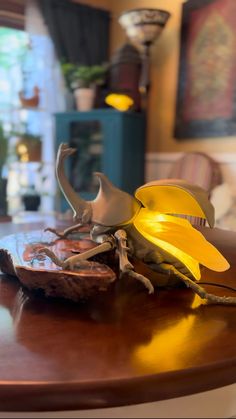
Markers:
146,226
30,102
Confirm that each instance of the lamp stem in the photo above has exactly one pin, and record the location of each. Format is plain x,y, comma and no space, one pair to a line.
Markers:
144,82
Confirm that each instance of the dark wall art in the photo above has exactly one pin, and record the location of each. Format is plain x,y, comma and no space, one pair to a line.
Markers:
206,98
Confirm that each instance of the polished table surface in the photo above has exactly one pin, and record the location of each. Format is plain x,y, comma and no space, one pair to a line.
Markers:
124,347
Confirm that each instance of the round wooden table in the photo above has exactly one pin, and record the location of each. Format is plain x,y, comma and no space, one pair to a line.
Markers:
123,348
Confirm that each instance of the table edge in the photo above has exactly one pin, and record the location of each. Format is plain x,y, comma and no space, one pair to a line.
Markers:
56,396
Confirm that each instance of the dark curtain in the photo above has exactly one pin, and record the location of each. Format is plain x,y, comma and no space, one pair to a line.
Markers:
80,33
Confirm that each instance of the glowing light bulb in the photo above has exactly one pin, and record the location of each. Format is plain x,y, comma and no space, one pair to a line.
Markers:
120,102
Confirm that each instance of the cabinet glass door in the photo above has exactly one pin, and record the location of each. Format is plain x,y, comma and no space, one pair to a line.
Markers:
86,137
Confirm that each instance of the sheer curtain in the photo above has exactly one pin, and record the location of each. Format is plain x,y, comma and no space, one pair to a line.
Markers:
42,70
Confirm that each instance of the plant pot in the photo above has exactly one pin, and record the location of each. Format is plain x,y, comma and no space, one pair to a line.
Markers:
84,98
31,202
3,195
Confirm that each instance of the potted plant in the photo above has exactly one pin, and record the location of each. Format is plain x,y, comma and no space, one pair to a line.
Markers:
31,199
82,80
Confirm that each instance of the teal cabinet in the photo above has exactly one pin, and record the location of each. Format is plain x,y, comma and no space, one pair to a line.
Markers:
107,141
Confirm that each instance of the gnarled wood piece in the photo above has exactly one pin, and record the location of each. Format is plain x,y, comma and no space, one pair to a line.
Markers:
19,257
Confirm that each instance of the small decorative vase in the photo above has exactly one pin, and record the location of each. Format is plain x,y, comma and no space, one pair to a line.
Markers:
84,98
31,202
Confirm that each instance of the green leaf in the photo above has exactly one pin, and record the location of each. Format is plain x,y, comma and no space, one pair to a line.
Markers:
83,76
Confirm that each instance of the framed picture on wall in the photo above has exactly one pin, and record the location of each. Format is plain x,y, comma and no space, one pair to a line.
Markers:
206,97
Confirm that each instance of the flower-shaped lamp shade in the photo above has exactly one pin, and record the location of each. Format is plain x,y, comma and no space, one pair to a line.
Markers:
119,101
158,222
143,25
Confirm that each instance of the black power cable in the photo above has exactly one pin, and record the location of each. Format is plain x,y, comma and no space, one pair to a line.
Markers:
217,285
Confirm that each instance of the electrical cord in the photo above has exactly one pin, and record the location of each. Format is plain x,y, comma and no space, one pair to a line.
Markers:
217,285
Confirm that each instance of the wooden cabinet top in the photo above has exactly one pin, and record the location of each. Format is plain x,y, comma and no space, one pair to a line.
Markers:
101,112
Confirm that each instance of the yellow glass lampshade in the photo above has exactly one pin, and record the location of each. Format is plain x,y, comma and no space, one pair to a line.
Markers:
177,237
119,101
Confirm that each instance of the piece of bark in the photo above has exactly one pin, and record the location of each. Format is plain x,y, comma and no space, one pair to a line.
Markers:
74,286
19,257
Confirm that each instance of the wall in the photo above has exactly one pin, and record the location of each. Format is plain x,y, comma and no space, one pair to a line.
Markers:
164,69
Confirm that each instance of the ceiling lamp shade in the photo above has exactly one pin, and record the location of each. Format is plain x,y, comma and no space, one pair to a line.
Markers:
143,26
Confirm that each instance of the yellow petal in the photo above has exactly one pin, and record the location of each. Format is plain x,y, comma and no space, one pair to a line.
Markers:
181,240
120,102
176,196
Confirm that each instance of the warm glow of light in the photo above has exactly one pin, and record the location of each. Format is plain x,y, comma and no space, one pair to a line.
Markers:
22,150
177,237
169,199
172,347
120,102
197,302
164,350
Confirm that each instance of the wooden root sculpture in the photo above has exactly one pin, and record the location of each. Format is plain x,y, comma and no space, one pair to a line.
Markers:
142,226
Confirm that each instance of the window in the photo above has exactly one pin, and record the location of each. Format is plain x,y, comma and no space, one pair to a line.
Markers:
27,65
